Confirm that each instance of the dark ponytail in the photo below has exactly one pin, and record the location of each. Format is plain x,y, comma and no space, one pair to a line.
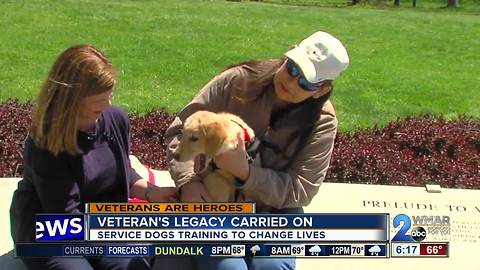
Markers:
305,115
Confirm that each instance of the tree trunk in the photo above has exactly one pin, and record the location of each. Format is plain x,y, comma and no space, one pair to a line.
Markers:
452,3
354,2
414,3
397,2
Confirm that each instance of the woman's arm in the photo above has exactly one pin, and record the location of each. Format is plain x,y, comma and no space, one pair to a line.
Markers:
119,121
139,188
142,189
297,186
54,179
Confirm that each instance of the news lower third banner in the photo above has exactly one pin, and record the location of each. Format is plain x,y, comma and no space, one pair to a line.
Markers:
222,229
241,227
170,208
212,227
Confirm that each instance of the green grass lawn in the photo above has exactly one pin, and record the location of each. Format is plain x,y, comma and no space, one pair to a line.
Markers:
403,61
465,6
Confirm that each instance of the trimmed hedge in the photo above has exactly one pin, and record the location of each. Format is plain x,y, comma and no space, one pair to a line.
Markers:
411,152
414,151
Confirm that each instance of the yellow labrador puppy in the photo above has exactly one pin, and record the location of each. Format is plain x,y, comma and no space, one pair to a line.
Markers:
205,135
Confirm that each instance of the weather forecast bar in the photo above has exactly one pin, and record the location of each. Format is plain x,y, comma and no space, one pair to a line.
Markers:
312,250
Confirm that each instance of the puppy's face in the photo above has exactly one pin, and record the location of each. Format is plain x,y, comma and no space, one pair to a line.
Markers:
202,138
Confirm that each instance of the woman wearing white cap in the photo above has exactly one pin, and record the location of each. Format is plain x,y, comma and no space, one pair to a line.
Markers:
286,102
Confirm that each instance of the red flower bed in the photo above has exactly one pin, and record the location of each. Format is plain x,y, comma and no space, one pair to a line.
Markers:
147,138
15,119
413,151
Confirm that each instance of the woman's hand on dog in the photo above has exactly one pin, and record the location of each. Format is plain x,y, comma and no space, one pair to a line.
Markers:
235,161
194,191
162,194
143,189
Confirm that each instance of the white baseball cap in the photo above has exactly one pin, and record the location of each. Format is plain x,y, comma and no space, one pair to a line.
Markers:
320,57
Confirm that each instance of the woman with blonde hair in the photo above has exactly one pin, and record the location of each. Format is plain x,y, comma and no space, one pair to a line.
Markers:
77,152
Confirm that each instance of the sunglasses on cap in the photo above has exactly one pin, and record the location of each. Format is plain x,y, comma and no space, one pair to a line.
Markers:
293,71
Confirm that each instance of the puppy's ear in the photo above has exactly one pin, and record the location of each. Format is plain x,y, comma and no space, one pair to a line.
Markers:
216,135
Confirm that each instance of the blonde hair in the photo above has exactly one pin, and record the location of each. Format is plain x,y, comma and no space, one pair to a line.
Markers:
79,72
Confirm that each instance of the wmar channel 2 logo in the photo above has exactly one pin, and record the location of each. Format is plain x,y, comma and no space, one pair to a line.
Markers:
434,225
60,227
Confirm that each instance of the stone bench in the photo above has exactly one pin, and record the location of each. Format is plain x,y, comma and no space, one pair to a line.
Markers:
462,206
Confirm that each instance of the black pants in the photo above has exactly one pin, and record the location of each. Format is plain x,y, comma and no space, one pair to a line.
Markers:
102,263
